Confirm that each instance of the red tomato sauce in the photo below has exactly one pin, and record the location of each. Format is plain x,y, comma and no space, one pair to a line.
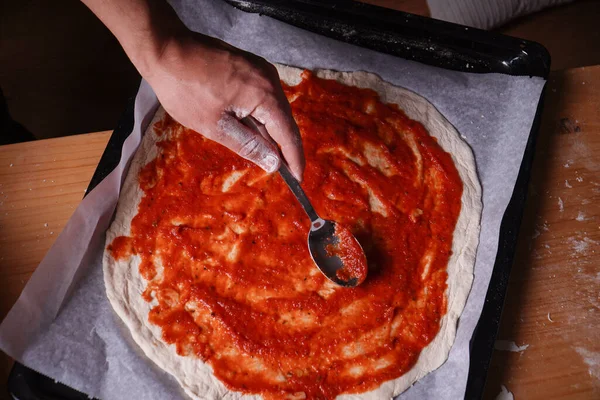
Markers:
230,270
354,262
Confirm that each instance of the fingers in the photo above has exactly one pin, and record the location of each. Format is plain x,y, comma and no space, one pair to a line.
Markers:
283,129
247,143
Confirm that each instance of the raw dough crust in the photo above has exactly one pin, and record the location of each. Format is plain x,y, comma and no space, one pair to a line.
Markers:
124,284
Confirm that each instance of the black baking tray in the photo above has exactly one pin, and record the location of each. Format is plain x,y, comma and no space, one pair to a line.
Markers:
412,37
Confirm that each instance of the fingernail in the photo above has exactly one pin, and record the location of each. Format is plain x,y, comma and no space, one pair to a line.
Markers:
269,163
297,175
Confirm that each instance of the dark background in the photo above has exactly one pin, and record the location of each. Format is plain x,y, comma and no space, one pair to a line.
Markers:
63,73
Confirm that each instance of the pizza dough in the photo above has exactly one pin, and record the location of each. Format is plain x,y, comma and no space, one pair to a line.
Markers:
125,285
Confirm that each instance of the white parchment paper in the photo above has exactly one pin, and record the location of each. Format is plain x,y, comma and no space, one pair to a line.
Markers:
63,325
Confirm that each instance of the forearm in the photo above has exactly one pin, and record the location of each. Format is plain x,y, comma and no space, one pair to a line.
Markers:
143,27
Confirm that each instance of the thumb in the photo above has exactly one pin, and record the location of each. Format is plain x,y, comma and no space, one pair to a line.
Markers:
247,143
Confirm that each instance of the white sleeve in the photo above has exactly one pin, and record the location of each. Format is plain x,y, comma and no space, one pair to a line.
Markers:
486,14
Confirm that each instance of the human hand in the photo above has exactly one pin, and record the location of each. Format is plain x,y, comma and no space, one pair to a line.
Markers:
209,86
206,84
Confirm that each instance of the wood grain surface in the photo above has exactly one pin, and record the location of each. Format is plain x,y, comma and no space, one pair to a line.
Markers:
553,297
41,184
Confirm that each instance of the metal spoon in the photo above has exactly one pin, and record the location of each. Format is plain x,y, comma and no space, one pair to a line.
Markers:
322,236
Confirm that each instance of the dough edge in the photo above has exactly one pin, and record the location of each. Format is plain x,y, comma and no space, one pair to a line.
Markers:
124,285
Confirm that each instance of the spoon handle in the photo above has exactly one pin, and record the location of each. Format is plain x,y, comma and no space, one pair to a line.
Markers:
289,179
295,187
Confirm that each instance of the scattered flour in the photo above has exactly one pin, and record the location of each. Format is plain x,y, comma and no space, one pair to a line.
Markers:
581,246
592,359
550,319
568,163
567,184
540,227
580,216
561,205
505,345
579,179
504,394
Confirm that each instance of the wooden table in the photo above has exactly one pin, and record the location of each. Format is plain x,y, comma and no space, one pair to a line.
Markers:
553,299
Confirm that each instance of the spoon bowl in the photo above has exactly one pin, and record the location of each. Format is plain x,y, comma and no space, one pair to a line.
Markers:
339,257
